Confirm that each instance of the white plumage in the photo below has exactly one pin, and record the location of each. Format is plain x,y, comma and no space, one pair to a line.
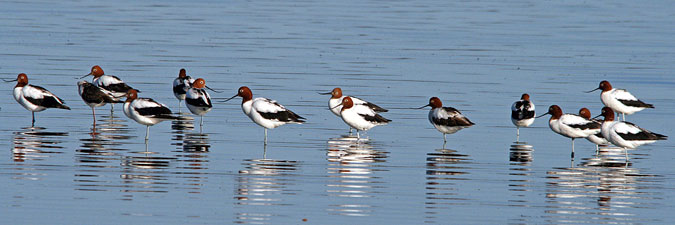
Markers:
131,110
146,111
255,107
362,117
201,96
29,91
612,99
620,100
625,134
265,112
106,82
572,126
335,107
183,84
447,114
447,120
35,98
522,112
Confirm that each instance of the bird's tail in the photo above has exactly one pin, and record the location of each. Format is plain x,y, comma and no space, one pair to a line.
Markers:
660,136
167,117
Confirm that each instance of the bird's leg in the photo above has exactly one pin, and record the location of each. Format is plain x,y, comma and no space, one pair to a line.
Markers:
444,140
93,113
112,108
623,116
572,148
517,133
265,136
626,151
350,130
147,132
33,123
179,101
265,151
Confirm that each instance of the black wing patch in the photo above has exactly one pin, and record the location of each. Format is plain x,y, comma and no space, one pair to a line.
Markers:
586,126
283,116
153,111
48,101
453,121
521,115
199,101
523,111
635,103
376,108
180,89
93,94
643,135
375,119
119,87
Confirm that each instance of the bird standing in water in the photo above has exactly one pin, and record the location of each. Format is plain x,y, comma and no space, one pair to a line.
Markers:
265,112
447,120
94,96
35,98
181,85
522,113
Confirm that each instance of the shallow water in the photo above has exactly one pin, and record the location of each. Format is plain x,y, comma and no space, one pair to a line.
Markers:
478,57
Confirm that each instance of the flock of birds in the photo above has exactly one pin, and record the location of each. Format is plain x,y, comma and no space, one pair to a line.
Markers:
357,113
600,132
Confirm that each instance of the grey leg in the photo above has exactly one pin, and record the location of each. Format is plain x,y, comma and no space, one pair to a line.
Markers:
572,148
147,132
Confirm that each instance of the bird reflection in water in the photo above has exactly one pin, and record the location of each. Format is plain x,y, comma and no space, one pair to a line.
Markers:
352,167
520,153
603,189
36,144
261,188
99,155
191,149
145,172
188,141
521,179
447,170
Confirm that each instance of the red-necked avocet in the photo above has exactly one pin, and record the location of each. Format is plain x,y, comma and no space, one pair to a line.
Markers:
335,101
522,113
626,134
146,111
620,100
265,112
596,138
447,120
198,100
94,96
570,125
111,84
35,98
181,85
360,117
